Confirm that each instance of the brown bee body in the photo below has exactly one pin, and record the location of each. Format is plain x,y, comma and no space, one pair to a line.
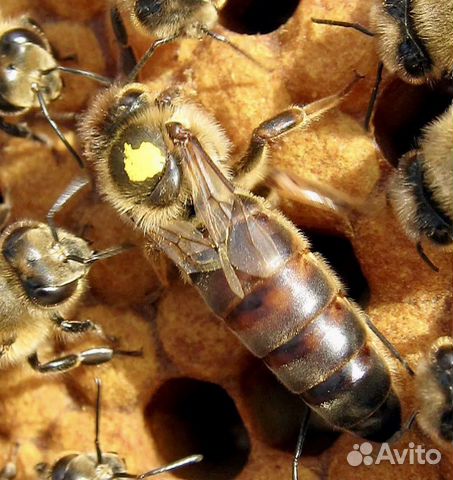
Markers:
300,323
163,163
420,191
434,381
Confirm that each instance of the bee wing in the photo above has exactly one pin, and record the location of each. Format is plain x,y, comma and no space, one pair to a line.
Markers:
251,248
186,247
212,193
240,239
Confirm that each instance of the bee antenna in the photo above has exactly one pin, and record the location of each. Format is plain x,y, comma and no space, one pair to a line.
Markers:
223,39
148,54
97,421
425,257
109,252
338,23
62,200
83,73
181,463
374,94
56,128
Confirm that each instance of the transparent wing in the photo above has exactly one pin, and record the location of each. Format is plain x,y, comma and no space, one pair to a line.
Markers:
186,247
231,221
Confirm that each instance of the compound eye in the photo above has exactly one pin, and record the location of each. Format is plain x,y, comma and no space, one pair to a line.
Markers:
130,101
444,358
46,295
441,236
19,36
60,469
144,9
415,62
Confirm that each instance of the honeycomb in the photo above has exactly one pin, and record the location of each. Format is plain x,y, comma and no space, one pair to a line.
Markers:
196,387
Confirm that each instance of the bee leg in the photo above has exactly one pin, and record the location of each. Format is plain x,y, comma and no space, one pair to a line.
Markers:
92,356
389,346
128,59
166,97
300,442
297,116
75,326
20,131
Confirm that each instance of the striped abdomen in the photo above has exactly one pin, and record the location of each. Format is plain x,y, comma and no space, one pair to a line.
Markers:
314,340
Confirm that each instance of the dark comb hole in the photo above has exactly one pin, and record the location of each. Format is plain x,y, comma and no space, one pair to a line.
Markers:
256,16
277,414
340,256
189,417
402,110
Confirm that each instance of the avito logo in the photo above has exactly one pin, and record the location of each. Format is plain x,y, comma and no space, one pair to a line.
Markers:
413,454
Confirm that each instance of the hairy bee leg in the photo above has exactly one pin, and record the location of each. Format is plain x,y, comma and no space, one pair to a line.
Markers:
300,442
128,58
20,131
297,116
389,346
310,192
92,356
166,97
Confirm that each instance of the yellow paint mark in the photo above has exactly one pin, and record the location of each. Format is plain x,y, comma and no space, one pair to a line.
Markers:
143,162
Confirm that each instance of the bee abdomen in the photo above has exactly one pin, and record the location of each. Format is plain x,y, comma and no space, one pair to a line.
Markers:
279,307
315,342
323,346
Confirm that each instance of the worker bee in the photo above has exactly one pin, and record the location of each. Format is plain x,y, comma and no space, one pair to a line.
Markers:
420,190
30,77
162,162
97,465
169,20
413,40
43,279
434,382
